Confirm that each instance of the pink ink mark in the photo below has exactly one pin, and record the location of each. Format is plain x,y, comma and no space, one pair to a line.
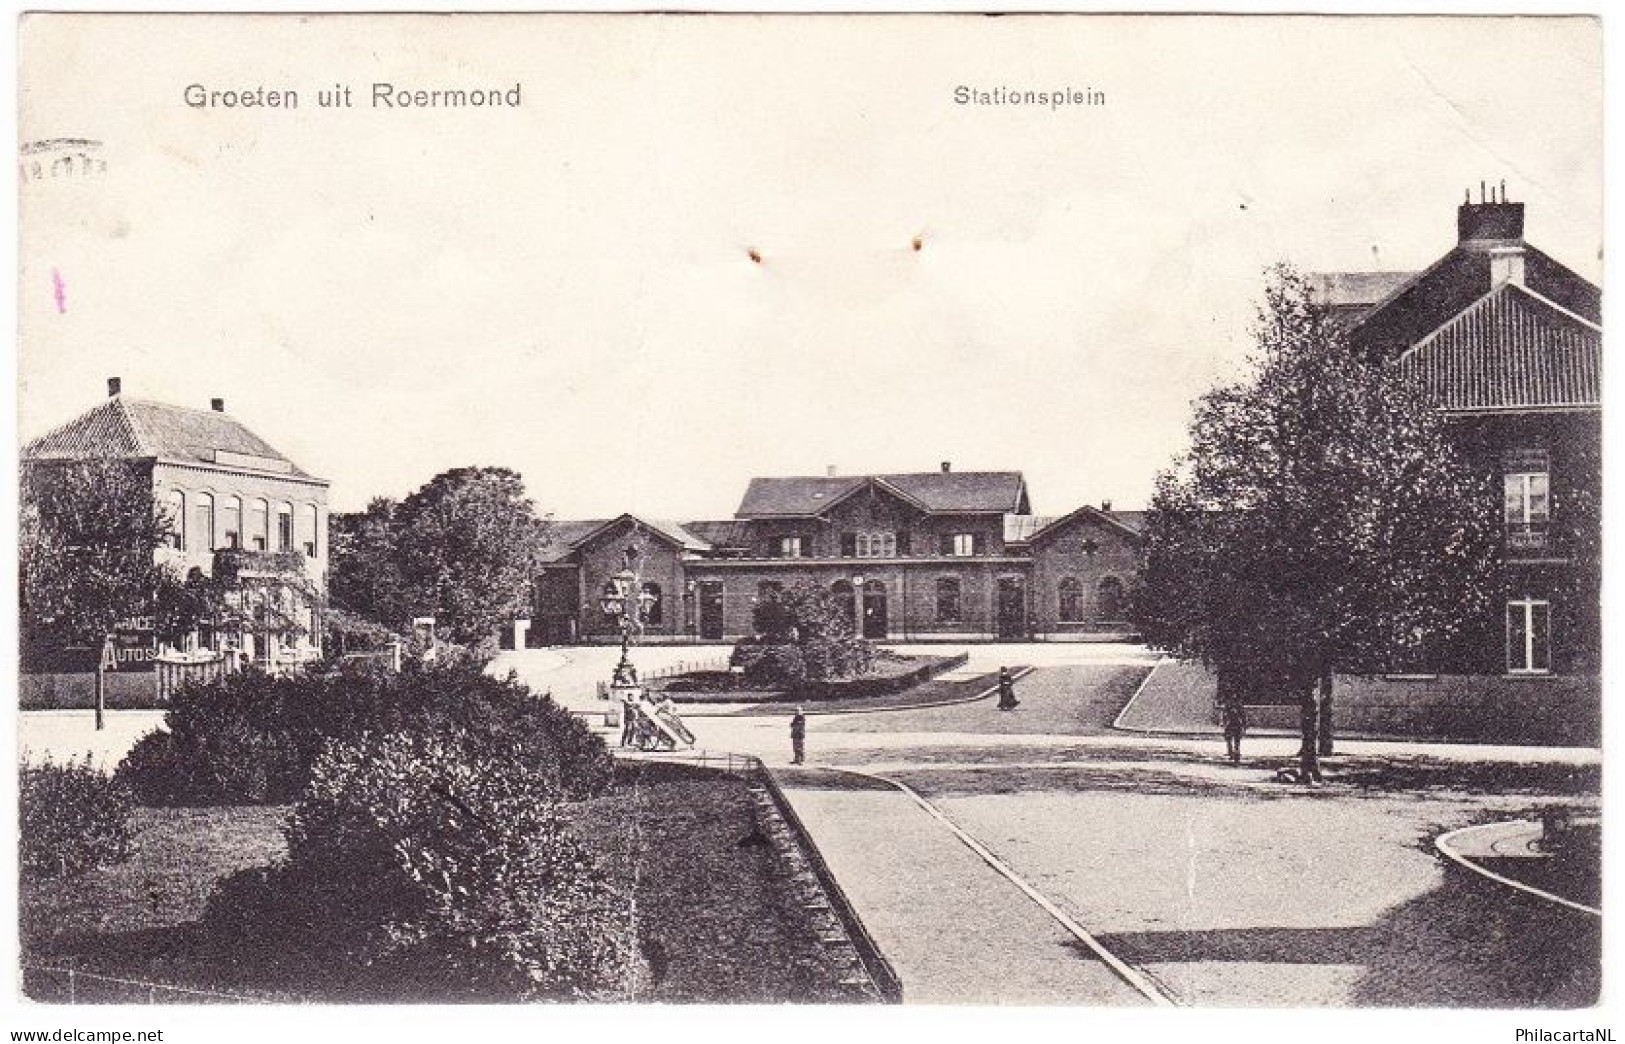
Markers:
60,289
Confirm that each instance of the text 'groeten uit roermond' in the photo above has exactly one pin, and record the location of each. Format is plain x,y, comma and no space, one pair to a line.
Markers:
344,96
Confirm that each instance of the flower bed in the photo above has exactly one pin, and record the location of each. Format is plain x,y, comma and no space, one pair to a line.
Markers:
891,673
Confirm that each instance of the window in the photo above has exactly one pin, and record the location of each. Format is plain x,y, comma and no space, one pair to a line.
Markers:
654,611
790,547
877,545
962,545
948,599
1528,499
231,522
1071,600
177,520
1529,636
307,529
284,527
259,521
1111,598
849,545
202,523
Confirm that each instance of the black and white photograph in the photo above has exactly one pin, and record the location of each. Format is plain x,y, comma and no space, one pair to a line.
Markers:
655,511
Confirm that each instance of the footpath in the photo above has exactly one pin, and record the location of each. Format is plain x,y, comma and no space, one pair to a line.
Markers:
953,928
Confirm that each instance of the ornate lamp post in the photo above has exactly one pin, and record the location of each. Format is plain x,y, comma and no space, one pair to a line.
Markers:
624,601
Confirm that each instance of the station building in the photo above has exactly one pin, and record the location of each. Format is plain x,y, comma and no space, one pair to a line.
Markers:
935,555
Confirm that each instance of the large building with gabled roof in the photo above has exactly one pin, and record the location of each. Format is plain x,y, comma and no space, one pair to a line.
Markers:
241,511
1507,342
916,556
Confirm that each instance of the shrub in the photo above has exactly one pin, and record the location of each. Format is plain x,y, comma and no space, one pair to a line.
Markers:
421,868
74,818
802,634
253,738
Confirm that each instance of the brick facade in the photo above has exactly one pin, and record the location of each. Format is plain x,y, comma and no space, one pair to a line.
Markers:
912,571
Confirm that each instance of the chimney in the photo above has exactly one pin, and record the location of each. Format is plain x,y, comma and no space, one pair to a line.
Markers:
1489,221
114,385
217,405
947,466
1105,505
830,470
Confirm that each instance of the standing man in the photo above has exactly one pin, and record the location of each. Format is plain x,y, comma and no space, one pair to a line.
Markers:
798,737
1007,690
1232,712
629,718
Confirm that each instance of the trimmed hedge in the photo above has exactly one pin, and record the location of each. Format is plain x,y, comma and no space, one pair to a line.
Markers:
423,868
254,738
73,818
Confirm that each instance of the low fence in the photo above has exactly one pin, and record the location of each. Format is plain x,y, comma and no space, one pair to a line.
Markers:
173,675
61,985
715,663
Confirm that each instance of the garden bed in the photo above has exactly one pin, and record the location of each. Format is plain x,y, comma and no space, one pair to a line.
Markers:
715,924
892,673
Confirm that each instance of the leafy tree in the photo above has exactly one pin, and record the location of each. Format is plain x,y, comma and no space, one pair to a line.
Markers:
803,633
463,549
89,535
1322,520
363,573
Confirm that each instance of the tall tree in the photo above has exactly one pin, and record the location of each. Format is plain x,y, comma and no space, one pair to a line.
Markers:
1321,521
363,574
464,549
89,536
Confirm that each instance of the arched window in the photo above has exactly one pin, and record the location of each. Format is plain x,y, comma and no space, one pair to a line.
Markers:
202,523
1071,600
231,522
655,608
307,529
284,527
1111,598
948,601
177,520
259,523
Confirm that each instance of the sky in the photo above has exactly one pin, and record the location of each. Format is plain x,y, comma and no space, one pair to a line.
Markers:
567,287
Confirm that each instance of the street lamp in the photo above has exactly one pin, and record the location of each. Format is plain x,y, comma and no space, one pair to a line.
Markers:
624,600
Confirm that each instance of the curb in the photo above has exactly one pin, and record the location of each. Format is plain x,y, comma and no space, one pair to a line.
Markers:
1442,843
1117,722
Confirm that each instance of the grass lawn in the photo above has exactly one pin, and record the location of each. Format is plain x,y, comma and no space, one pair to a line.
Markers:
715,923
135,920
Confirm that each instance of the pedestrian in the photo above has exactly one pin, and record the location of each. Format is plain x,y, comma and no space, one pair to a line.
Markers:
1007,690
1233,716
1229,701
629,719
798,737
